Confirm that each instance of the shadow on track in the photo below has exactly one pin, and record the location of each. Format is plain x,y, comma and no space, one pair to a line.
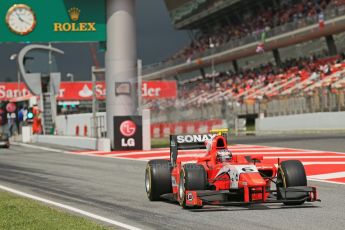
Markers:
249,208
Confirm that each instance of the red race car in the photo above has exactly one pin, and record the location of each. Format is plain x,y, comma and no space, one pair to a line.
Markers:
221,178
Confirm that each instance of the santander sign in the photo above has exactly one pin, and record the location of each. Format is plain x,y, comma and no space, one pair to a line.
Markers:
10,90
159,89
82,90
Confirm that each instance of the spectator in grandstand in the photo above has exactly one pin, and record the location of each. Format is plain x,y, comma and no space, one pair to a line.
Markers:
326,69
254,23
194,92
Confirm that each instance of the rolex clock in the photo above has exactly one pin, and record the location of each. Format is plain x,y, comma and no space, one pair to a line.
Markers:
21,19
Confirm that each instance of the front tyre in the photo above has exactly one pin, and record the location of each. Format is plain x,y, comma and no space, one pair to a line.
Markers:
157,179
192,177
291,173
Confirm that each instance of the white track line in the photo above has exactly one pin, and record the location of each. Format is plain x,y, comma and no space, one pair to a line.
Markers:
305,157
166,150
306,149
261,149
204,152
100,153
70,208
237,146
277,153
324,163
326,181
88,152
328,176
165,157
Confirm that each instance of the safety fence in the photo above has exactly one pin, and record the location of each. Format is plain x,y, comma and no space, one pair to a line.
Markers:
163,130
322,99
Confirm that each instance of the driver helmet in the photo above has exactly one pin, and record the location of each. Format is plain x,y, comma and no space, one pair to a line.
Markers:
224,155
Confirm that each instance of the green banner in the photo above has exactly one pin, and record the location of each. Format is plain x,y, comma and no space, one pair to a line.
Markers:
52,20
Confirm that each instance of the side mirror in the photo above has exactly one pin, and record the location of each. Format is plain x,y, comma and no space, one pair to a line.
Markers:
257,158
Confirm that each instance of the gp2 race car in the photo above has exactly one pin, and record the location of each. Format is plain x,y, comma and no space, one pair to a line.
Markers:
4,140
221,178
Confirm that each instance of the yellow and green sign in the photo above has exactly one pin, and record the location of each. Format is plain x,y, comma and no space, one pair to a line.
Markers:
52,20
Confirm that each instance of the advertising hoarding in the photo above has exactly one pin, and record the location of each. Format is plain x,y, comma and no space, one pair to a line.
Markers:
82,90
52,21
128,133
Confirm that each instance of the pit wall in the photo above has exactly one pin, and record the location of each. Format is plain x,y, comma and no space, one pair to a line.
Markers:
68,125
302,122
76,142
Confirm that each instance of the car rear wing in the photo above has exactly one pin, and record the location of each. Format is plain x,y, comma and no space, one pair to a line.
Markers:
187,142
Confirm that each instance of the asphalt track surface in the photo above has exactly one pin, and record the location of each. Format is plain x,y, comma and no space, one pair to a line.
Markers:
114,188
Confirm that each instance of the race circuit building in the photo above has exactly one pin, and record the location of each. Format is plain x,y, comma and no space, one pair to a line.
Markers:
225,35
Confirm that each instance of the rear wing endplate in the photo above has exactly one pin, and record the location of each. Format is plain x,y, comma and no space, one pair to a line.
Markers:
187,142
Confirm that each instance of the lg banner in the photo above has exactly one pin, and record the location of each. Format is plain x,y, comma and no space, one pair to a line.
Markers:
128,133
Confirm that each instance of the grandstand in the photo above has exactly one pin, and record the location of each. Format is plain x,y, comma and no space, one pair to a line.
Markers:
279,35
299,67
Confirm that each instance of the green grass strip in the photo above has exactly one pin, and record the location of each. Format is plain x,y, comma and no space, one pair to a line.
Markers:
160,142
21,213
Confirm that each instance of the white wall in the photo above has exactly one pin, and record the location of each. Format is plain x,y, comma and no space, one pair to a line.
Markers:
66,125
77,142
302,122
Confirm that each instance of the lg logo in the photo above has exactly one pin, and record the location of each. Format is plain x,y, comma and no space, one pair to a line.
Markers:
128,128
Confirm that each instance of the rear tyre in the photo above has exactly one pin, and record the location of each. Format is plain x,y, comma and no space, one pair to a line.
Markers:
157,179
192,177
291,173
